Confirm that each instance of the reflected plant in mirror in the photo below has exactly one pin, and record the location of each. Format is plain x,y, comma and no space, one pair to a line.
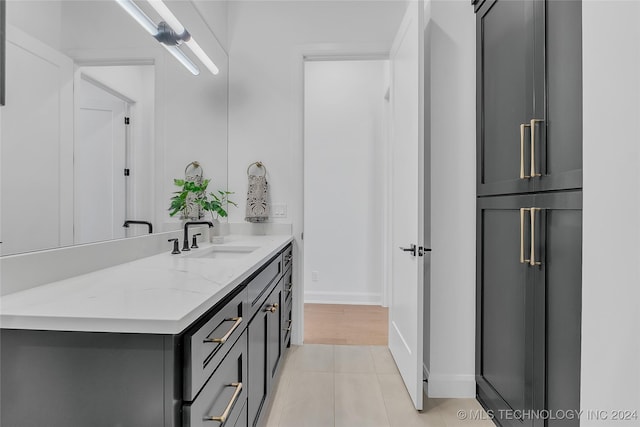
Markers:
192,199
90,119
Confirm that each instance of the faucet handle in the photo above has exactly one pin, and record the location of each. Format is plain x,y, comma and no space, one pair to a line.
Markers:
194,243
175,246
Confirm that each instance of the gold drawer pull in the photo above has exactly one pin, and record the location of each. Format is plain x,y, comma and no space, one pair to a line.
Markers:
522,211
533,147
222,418
522,127
272,308
226,336
533,261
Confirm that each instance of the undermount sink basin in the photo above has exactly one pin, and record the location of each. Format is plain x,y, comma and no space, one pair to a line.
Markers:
222,252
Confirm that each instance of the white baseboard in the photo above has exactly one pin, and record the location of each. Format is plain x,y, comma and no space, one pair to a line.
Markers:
356,298
451,386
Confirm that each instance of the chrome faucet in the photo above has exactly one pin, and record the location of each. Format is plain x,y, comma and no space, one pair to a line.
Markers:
130,221
185,242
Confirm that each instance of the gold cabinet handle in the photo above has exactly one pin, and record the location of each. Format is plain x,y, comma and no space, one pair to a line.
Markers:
533,147
522,128
237,321
272,308
532,258
522,259
222,418
289,328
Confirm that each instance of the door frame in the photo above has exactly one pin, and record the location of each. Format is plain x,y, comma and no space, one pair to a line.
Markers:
319,52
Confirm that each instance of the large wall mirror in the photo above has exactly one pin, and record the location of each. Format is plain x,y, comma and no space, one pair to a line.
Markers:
99,119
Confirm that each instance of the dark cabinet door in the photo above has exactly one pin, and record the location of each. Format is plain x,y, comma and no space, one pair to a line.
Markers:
274,344
258,365
558,231
557,137
529,96
505,311
529,307
265,350
505,66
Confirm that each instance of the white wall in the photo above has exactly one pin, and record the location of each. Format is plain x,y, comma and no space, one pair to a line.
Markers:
214,12
344,179
610,377
450,132
266,39
39,18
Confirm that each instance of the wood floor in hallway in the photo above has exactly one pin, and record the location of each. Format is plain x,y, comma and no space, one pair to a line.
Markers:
345,324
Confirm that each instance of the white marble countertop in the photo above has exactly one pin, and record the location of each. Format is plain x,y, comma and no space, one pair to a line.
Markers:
161,294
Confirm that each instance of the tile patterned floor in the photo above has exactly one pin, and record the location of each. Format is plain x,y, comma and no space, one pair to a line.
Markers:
355,386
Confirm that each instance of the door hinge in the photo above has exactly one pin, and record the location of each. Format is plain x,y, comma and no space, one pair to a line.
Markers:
301,236
127,121
126,172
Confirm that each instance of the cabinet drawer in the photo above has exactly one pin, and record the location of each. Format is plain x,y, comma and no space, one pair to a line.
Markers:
287,287
224,395
260,285
287,257
207,345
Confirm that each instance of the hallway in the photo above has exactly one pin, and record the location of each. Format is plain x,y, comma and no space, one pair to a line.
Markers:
346,324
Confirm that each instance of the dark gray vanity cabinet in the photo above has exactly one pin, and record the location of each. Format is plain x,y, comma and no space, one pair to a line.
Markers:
218,371
79,379
529,96
529,305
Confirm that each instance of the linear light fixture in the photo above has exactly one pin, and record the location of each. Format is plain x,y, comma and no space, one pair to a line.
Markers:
184,59
183,34
170,33
141,18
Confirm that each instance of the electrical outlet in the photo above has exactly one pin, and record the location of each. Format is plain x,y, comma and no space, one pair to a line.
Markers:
315,276
279,210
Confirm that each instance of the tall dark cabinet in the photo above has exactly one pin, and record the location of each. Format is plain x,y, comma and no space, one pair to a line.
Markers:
529,103
529,210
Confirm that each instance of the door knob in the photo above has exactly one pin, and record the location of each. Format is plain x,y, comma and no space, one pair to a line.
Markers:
411,249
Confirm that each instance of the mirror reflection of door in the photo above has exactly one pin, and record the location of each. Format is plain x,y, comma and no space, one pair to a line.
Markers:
35,127
100,160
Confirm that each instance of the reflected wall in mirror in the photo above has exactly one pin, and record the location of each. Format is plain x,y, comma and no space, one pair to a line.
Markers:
72,170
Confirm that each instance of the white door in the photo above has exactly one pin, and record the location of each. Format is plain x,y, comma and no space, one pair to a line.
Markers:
36,129
406,302
99,163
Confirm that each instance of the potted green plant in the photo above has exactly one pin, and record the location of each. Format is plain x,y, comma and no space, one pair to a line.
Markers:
193,195
184,201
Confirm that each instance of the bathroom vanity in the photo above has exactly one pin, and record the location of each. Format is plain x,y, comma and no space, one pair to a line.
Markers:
170,340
